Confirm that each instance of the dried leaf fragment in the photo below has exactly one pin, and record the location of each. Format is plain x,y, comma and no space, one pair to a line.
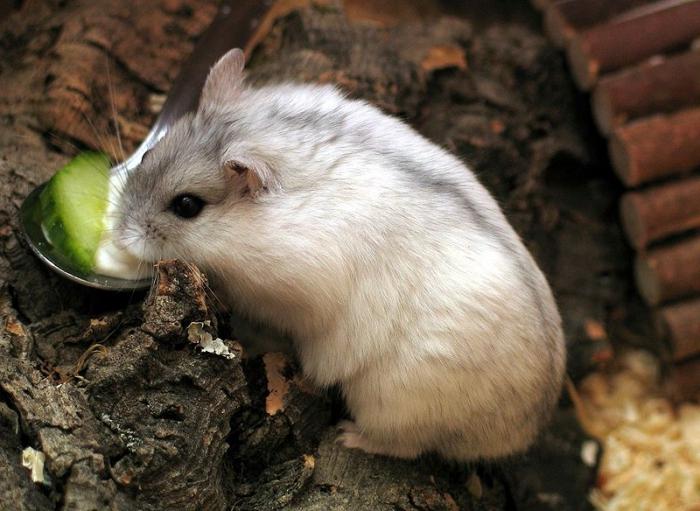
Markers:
443,57
277,384
595,330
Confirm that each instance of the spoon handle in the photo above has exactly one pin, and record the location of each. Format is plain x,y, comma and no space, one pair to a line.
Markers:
232,27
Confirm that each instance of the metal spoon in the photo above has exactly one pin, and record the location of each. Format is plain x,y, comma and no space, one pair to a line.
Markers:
232,27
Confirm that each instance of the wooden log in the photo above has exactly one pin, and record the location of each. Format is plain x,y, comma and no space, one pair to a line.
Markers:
658,85
563,18
670,272
685,379
680,324
125,450
656,147
661,211
632,37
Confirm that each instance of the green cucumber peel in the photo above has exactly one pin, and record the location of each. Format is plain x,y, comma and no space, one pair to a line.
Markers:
74,203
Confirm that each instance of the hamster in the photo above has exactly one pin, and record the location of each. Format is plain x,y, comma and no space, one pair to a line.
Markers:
390,266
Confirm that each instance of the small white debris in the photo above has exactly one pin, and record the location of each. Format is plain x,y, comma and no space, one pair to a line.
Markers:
554,500
197,335
589,452
156,102
34,461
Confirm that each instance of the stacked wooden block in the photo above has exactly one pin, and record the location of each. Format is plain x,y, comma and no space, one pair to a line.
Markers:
640,61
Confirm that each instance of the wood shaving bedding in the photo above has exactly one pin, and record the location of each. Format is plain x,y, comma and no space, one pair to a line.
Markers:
651,448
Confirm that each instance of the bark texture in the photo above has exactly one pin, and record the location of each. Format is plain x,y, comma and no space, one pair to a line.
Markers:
129,413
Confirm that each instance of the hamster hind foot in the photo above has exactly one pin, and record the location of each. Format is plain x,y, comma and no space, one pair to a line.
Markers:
352,437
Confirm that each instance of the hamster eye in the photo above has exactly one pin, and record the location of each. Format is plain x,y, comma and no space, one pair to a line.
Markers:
186,205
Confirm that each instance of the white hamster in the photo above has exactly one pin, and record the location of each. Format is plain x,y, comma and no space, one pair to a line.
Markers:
388,263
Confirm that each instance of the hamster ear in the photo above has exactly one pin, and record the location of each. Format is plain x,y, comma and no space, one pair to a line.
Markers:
224,80
252,177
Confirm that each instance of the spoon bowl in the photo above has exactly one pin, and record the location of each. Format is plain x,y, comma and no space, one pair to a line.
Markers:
30,222
232,27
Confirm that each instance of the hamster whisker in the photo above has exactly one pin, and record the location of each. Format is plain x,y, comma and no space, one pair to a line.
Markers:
138,271
205,284
115,119
218,271
101,140
210,292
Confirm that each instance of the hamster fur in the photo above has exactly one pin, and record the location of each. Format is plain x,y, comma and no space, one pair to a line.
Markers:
388,263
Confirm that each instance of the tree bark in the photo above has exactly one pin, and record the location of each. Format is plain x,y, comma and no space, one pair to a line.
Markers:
128,412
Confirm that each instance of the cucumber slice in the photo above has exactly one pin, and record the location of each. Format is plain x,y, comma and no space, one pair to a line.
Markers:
73,204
